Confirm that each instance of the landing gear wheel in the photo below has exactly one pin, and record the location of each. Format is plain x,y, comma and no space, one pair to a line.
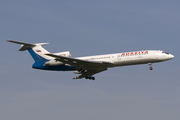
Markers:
90,77
151,68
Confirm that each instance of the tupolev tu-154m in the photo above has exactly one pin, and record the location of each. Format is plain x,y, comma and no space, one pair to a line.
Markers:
89,65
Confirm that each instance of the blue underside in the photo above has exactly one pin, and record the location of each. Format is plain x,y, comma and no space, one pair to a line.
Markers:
39,65
40,61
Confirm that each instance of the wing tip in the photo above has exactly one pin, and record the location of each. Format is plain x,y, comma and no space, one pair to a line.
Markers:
9,40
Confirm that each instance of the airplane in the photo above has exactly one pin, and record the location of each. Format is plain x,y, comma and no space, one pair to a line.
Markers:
89,65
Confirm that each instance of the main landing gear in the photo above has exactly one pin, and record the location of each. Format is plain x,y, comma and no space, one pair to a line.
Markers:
90,77
87,77
151,68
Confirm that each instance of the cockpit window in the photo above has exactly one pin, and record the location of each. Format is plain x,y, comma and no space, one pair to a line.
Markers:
165,53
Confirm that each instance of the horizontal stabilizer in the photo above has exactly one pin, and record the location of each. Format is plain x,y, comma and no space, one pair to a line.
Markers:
24,46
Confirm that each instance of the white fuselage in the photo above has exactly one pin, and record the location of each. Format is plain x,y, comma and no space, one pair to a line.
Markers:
89,65
131,58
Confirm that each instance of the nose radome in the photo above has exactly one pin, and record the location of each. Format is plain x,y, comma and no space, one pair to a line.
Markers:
171,56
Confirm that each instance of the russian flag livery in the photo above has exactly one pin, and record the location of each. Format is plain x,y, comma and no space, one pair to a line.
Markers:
38,50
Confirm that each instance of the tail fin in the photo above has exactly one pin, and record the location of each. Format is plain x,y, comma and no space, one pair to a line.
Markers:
36,50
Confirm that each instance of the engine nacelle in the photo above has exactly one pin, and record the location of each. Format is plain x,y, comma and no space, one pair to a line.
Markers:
54,62
65,54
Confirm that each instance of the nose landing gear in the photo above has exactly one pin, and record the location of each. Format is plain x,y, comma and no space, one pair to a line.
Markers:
151,68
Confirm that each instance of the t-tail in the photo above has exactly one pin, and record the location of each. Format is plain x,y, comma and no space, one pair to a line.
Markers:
36,50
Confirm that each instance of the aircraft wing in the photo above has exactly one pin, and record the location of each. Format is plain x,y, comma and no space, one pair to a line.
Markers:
89,67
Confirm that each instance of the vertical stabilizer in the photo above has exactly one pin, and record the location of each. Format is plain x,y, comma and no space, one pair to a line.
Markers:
36,50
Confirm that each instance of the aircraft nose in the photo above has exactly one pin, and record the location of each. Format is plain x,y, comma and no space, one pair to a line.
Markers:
171,56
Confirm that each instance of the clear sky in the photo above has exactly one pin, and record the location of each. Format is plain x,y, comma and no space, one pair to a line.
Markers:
90,27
